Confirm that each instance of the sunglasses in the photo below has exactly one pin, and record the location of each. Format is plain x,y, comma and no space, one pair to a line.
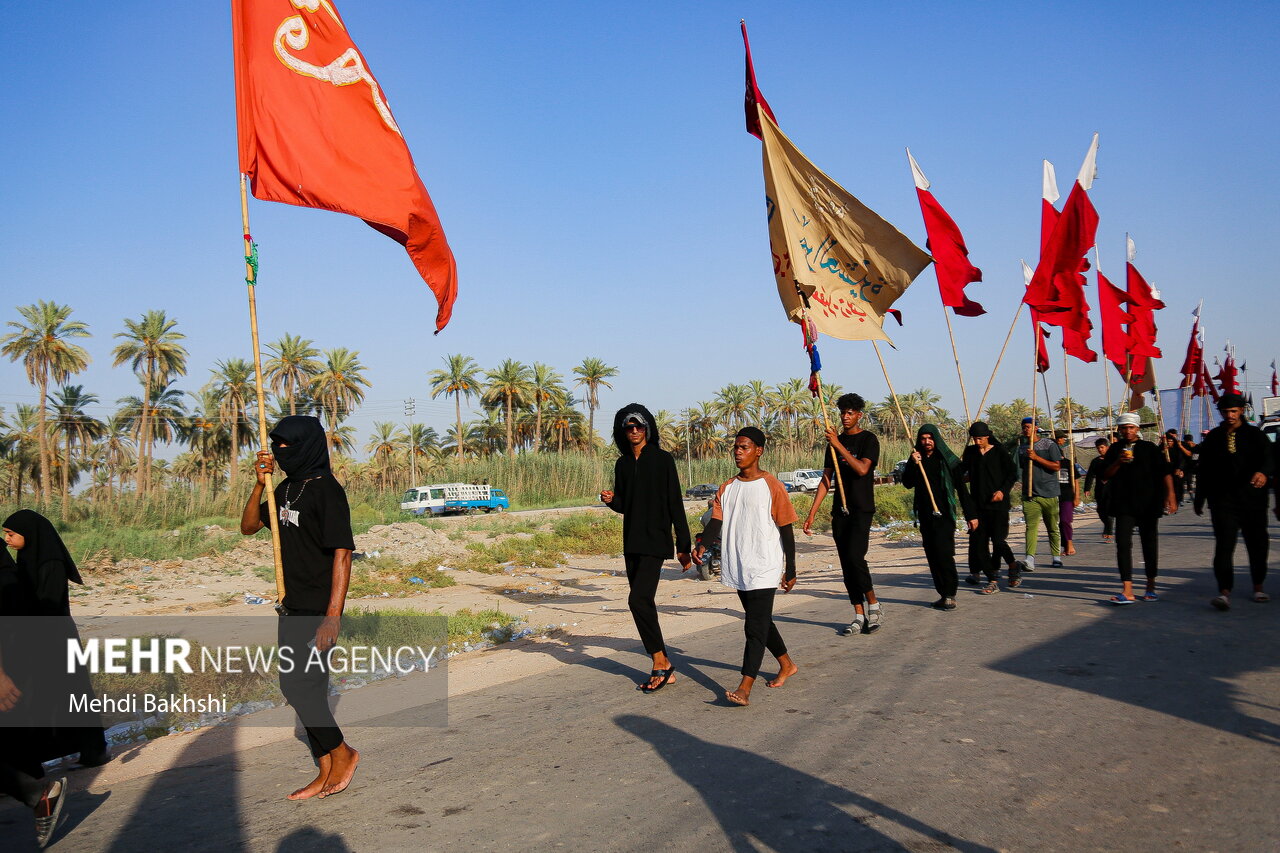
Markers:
630,427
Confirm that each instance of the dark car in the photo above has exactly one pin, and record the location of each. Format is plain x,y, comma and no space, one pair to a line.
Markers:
702,491
898,469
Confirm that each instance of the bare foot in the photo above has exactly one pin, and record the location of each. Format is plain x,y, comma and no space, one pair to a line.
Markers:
736,698
1071,550
316,785
785,671
345,760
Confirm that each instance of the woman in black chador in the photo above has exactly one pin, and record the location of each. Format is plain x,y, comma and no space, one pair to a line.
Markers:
45,570
315,547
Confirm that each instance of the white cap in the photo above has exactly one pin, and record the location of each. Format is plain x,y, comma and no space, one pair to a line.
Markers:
1130,419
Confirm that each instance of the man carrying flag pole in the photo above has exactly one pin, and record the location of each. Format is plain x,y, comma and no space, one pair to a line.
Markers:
314,130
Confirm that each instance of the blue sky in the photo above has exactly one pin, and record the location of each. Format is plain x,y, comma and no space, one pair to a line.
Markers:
593,176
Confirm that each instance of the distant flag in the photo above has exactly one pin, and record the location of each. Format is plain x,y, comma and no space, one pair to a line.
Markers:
1057,286
315,130
754,101
1275,380
1144,301
1049,197
1194,361
950,255
1227,376
1042,334
839,252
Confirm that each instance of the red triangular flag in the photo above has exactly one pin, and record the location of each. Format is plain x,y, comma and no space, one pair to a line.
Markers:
946,244
753,97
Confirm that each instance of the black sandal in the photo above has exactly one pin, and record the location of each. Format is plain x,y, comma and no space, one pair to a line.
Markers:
664,674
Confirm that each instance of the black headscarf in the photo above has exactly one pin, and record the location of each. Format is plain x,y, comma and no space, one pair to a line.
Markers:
43,545
307,455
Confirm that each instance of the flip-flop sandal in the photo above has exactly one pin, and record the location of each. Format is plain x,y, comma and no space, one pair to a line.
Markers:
664,674
1261,597
1150,596
1122,599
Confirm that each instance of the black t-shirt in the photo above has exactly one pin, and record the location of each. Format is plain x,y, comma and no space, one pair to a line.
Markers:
319,522
1137,488
859,488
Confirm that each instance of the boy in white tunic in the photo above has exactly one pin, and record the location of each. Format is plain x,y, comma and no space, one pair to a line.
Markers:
752,516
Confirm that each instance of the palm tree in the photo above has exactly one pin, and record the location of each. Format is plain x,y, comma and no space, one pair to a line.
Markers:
731,403
292,366
510,383
459,378
488,431
116,448
339,386
77,427
165,411
421,443
151,346
342,440
43,345
545,386
384,444
788,402
759,397
23,435
593,373
234,385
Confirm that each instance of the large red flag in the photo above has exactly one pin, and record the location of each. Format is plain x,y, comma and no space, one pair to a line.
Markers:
315,130
1115,340
1194,362
753,97
1143,303
1275,381
946,244
1227,376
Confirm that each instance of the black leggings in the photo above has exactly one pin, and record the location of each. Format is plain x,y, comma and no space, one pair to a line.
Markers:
306,688
1228,522
1104,512
643,572
987,545
852,533
938,535
760,630
1148,534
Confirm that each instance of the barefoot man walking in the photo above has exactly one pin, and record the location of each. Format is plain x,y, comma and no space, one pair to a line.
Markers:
752,517
316,546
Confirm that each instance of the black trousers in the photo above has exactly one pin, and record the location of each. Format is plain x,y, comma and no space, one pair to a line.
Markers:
1148,533
852,533
939,538
21,774
1229,520
306,686
761,632
987,545
1104,512
643,571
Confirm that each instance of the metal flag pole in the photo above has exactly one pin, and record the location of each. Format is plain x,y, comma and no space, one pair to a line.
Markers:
906,429
251,279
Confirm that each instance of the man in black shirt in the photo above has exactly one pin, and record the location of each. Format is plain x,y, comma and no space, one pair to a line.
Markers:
1095,485
989,470
315,548
646,492
858,452
1139,486
1235,463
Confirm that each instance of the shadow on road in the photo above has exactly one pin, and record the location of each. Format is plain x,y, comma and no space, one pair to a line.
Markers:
759,802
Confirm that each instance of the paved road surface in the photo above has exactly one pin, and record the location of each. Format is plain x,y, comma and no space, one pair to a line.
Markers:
1048,722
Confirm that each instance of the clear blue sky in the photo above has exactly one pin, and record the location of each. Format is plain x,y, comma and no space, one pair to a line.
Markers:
593,176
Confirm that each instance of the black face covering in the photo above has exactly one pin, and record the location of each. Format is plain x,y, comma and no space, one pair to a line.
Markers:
307,454
43,544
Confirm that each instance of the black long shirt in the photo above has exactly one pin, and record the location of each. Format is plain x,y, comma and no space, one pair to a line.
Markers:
646,492
933,470
988,473
1223,476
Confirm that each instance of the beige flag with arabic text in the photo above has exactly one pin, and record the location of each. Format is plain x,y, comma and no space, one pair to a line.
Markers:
852,264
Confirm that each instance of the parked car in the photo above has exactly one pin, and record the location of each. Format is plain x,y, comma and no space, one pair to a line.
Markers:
803,480
702,491
898,469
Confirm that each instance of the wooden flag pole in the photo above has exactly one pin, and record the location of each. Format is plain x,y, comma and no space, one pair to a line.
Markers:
251,279
996,369
1071,444
1031,441
1106,363
906,429
822,397
964,397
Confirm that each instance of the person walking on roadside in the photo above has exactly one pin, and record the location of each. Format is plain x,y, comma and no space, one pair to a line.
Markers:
1068,493
316,544
753,519
1177,460
1189,454
938,532
1038,462
646,492
857,452
1235,464
1140,487
1095,486
989,471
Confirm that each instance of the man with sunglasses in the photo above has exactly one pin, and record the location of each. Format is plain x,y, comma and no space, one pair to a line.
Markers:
646,492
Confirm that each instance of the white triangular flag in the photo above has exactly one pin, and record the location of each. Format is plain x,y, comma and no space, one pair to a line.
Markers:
1089,169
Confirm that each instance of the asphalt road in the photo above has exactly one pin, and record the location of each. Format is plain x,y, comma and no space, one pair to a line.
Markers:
1035,719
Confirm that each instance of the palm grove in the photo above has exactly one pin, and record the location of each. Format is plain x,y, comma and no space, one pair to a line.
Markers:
49,448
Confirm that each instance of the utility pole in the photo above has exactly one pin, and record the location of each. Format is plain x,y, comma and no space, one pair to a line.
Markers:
410,409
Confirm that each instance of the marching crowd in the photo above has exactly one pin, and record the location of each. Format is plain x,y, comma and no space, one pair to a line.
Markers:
1134,483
